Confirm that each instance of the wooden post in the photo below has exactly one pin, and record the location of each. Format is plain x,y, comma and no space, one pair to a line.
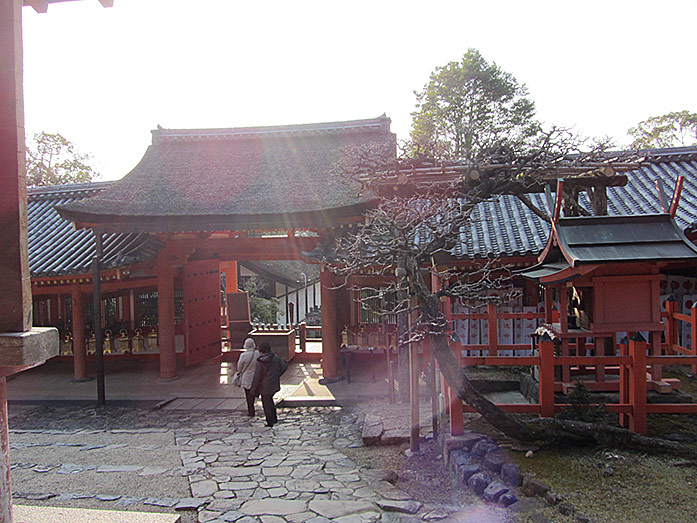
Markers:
97,317
79,349
434,392
693,326
302,334
414,398
165,316
492,329
546,377
330,331
624,381
671,324
637,383
5,486
548,305
390,375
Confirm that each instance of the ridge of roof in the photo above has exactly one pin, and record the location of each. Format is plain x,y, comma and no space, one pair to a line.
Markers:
82,190
379,124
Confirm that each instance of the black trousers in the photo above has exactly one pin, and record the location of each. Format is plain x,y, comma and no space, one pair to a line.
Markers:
250,401
269,409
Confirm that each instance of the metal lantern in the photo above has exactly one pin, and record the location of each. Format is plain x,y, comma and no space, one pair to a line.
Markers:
67,344
92,343
108,342
138,341
152,339
122,342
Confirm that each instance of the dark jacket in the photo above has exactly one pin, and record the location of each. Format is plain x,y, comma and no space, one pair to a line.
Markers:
267,374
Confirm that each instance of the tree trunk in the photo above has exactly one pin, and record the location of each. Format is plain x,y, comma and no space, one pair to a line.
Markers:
402,359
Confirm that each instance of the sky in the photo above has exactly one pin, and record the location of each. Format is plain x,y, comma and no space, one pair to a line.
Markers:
104,78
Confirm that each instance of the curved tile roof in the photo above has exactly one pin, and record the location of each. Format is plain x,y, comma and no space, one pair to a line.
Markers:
212,179
506,227
56,248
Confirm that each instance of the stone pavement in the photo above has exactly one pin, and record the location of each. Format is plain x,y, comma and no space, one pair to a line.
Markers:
206,466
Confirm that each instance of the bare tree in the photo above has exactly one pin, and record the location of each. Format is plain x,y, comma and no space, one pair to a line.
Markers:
425,206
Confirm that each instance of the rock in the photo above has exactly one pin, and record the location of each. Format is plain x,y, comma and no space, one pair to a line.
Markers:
372,432
459,457
494,461
202,489
332,509
467,471
190,503
466,441
582,518
507,499
510,474
44,497
478,482
436,515
395,436
381,475
404,507
272,507
483,447
494,491
533,486
566,508
552,498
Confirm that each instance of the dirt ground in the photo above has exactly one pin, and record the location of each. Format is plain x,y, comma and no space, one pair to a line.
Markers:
606,485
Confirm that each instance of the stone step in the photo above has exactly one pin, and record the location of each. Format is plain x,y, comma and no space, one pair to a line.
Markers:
37,514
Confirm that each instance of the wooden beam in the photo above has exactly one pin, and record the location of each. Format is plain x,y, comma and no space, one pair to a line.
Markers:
40,6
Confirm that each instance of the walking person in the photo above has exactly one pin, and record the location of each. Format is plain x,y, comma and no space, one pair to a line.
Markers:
246,365
267,381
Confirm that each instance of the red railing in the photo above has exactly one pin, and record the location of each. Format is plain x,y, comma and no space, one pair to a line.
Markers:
630,365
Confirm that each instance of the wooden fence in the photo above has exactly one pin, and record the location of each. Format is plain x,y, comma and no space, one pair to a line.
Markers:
630,363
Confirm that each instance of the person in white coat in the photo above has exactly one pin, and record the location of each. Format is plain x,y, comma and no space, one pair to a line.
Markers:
246,365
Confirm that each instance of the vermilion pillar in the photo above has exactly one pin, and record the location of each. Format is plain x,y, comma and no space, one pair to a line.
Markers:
330,331
165,315
79,349
15,284
230,270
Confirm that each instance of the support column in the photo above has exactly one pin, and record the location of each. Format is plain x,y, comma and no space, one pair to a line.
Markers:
15,284
330,332
165,315
79,349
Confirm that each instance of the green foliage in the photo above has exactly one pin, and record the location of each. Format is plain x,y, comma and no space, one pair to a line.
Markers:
53,160
582,408
470,106
669,130
261,309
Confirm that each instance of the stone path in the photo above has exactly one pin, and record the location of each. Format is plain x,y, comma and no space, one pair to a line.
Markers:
212,467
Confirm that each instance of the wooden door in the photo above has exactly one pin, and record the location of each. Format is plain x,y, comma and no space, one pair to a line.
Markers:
201,282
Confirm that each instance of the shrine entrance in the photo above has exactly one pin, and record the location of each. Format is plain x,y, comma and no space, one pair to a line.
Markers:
201,282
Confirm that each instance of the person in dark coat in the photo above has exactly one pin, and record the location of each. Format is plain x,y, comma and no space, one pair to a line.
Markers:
267,381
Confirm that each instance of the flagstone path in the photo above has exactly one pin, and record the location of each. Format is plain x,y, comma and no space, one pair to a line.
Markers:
211,467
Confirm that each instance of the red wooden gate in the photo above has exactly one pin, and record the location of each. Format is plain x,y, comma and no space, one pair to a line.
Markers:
201,310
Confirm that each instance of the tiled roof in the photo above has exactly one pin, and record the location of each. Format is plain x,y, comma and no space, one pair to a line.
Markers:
56,248
213,179
506,227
